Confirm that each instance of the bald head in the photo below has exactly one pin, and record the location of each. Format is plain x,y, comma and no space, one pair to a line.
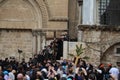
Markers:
20,76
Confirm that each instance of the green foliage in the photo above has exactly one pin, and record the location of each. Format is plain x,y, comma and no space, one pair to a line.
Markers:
72,55
79,50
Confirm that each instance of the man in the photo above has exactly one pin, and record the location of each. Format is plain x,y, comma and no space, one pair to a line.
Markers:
1,76
20,76
11,75
114,73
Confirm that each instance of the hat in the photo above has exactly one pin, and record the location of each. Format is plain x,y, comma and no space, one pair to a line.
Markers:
5,72
109,65
102,65
44,70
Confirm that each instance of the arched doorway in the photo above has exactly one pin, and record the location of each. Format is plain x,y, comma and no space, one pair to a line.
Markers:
112,55
19,20
56,41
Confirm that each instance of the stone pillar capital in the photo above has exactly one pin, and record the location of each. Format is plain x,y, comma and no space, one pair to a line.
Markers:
38,33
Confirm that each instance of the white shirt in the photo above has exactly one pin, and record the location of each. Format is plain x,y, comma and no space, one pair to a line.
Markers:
11,76
114,72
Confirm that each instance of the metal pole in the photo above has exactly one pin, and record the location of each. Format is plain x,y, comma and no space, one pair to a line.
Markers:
19,57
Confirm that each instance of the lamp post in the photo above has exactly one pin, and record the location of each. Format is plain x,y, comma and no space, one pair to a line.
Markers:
19,51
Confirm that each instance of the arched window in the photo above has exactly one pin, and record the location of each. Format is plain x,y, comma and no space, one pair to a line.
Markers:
109,12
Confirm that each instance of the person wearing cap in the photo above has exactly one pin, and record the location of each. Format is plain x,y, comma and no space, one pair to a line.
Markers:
100,72
6,76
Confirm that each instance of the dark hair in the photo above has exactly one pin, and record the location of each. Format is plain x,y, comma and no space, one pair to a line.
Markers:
63,78
92,76
1,74
80,69
52,79
70,77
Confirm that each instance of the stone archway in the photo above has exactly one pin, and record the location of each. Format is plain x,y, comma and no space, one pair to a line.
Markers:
100,40
19,20
110,55
107,44
25,13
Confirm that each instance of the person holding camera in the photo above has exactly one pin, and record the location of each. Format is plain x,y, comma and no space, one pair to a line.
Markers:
51,73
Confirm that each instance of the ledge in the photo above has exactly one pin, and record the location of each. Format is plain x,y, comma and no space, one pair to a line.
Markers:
99,27
15,29
58,18
49,29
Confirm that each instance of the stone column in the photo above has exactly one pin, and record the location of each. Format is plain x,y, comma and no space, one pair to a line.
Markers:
80,15
34,43
38,42
65,49
89,8
80,35
43,42
97,12
80,7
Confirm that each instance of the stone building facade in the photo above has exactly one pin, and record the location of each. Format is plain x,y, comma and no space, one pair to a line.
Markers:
102,43
25,25
99,30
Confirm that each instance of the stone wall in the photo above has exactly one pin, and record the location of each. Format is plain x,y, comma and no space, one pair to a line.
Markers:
12,40
58,8
22,16
100,43
92,54
34,14
39,16
73,18
57,13
110,55
91,36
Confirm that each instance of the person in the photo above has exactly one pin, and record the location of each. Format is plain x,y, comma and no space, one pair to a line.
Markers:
6,76
63,78
82,67
114,72
11,75
51,72
92,77
20,76
70,74
79,75
1,76
119,76
100,72
107,74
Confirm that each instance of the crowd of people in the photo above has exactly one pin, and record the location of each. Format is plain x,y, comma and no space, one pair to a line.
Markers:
45,66
54,49
64,69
